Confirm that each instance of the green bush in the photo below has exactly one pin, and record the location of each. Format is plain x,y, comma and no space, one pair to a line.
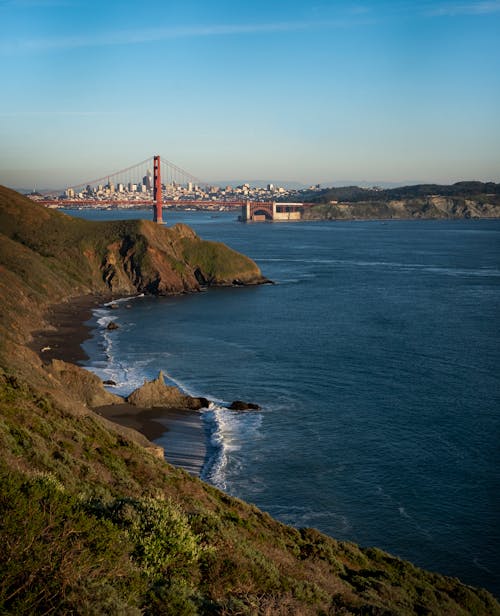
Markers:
163,539
56,558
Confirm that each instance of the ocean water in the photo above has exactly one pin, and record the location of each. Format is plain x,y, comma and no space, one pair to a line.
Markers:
375,358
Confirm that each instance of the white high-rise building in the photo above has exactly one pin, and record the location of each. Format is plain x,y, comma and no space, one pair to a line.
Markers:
147,180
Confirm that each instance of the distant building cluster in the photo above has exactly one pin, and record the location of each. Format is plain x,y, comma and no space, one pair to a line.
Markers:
133,194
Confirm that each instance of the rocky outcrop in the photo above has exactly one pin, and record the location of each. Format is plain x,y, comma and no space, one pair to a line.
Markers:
149,258
239,405
82,384
50,257
431,207
156,394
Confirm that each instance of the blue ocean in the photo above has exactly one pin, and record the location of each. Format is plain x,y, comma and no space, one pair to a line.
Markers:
375,358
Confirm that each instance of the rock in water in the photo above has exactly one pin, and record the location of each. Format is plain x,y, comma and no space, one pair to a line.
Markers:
156,394
112,325
239,405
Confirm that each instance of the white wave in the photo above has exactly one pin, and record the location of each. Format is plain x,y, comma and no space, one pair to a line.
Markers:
122,300
436,269
477,563
187,389
107,365
403,513
401,509
227,431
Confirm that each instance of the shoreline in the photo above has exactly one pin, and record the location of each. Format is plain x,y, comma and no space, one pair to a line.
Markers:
181,433
67,330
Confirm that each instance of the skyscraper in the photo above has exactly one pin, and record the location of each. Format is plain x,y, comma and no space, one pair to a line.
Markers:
147,180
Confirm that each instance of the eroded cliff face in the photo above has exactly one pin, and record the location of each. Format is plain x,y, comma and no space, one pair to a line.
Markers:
432,207
47,257
81,384
148,258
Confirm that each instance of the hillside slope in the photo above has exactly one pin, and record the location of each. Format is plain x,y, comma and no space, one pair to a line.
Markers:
91,522
424,207
47,257
460,200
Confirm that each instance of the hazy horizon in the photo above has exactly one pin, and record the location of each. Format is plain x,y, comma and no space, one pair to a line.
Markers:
255,183
390,93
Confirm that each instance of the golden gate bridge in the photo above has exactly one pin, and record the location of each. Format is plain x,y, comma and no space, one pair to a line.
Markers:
140,184
154,181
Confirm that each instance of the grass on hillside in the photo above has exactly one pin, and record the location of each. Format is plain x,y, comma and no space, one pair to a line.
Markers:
91,523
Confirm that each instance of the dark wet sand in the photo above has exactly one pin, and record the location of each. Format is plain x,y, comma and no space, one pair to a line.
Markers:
69,332
181,433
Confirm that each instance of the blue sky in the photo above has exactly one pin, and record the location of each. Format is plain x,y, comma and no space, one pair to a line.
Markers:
308,91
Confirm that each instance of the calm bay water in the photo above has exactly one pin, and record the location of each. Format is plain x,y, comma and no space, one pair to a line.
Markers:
375,358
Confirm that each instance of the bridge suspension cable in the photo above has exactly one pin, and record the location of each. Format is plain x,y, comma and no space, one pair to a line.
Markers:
153,179
106,177
135,174
173,170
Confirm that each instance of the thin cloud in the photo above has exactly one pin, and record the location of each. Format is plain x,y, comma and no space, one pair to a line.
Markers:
20,4
131,37
15,114
469,8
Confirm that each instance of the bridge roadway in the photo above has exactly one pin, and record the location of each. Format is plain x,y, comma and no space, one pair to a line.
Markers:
251,211
138,202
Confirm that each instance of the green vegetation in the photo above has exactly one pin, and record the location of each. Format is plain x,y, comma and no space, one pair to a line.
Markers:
355,194
91,522
461,200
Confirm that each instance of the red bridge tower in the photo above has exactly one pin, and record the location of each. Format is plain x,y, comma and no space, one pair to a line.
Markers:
157,205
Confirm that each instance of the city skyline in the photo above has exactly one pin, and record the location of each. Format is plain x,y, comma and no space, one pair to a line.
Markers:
278,91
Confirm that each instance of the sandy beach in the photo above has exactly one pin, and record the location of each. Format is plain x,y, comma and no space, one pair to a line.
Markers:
69,330
181,433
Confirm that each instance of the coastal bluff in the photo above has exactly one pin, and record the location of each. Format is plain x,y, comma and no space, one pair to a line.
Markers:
421,201
93,520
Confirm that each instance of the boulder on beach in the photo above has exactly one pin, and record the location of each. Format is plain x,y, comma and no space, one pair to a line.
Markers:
156,394
82,384
239,405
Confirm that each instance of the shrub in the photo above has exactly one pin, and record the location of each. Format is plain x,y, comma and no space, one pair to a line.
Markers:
56,557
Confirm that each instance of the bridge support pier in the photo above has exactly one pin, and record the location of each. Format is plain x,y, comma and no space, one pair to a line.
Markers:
267,211
157,196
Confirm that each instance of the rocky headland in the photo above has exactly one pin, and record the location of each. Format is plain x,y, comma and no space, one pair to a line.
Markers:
94,521
422,201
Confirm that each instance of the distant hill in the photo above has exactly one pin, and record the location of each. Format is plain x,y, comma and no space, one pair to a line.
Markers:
292,185
356,193
460,200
